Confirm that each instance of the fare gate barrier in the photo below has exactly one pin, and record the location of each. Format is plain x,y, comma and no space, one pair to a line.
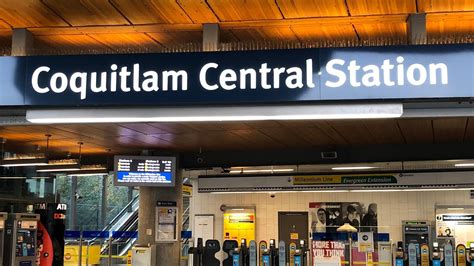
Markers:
84,248
243,255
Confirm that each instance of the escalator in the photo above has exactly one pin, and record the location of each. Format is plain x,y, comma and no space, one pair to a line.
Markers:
123,231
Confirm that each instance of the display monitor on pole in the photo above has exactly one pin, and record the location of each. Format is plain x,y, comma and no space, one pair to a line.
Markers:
156,171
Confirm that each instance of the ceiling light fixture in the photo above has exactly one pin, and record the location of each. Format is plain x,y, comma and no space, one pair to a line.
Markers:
464,165
344,168
90,170
249,171
60,166
229,113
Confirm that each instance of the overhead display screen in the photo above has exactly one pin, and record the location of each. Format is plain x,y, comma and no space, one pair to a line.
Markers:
144,171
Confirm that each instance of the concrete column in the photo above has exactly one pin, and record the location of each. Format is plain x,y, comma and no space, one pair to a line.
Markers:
73,209
416,29
166,253
104,203
130,198
22,42
210,37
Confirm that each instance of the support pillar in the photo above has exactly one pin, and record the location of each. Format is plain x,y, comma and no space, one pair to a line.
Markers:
22,42
166,253
210,37
73,209
104,203
416,29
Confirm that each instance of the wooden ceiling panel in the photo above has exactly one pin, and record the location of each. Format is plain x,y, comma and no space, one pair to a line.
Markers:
152,11
173,128
342,31
469,133
449,129
312,135
355,132
183,142
4,25
138,129
286,137
87,12
379,7
117,129
177,37
263,124
284,34
312,8
5,38
238,10
318,133
416,130
257,140
442,24
381,30
198,11
65,146
28,13
136,41
217,126
385,131
445,5
68,42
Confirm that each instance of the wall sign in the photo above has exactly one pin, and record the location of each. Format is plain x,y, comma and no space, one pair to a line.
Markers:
247,77
166,224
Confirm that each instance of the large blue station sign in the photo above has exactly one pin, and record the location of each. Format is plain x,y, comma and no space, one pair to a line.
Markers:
244,77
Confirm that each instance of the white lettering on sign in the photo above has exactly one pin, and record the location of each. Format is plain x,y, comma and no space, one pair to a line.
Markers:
212,77
387,74
61,207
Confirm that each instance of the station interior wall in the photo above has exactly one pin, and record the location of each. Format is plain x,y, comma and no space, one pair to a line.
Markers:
393,207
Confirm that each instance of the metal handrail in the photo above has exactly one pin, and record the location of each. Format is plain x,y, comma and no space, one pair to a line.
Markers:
125,209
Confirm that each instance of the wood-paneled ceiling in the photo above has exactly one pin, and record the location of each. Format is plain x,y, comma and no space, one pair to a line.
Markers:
238,136
115,24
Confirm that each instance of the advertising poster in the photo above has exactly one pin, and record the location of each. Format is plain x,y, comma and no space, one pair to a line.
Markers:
326,217
326,253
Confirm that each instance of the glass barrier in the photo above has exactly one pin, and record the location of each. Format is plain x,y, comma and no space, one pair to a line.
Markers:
91,247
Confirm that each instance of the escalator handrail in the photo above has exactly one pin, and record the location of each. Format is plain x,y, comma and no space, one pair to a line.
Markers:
124,210
118,216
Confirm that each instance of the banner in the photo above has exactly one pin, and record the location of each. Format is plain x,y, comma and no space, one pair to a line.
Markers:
327,253
244,77
326,217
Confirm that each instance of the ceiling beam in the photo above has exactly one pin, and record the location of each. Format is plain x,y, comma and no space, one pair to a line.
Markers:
379,153
147,28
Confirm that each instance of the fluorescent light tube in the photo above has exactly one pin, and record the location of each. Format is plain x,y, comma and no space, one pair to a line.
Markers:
12,177
228,113
260,171
464,165
23,162
58,168
342,168
88,174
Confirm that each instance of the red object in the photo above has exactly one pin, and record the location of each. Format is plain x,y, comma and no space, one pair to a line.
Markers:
45,246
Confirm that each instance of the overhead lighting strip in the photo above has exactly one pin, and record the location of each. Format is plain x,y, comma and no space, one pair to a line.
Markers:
209,114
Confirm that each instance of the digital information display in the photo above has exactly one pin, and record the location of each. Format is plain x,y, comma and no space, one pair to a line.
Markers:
145,171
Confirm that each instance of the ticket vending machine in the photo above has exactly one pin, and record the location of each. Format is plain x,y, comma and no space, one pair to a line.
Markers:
3,219
20,239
